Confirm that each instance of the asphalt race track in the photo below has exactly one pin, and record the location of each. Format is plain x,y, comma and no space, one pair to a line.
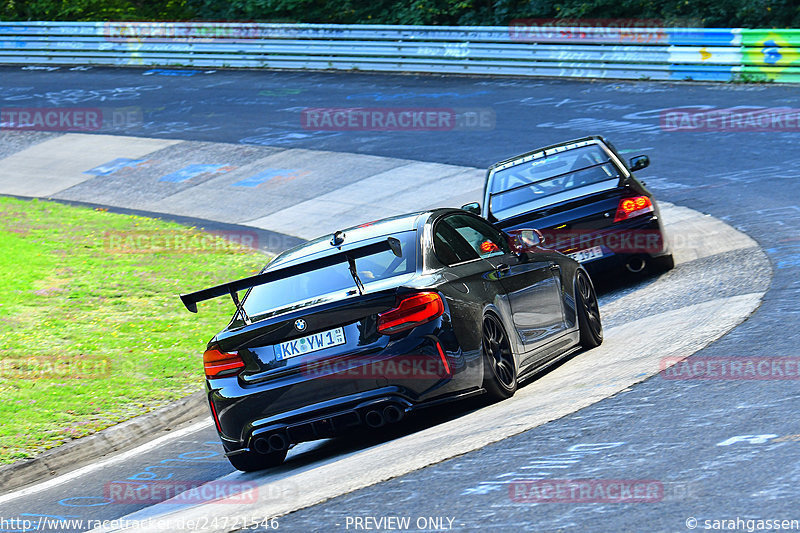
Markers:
720,449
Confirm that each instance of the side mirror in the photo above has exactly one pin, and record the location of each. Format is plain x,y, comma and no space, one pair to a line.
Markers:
525,240
639,162
474,207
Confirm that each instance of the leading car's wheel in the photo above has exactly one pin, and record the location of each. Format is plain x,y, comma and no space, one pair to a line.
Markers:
252,461
500,372
591,328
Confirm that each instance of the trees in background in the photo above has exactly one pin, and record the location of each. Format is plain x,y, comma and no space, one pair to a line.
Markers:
708,13
95,10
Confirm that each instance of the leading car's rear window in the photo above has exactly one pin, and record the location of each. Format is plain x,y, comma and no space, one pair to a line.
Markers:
377,267
548,177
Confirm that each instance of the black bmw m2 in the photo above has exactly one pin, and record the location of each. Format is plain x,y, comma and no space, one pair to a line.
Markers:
585,199
372,323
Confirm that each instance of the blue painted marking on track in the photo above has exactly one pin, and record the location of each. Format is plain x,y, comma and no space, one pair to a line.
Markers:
145,476
201,454
91,501
192,171
785,256
166,72
263,177
113,166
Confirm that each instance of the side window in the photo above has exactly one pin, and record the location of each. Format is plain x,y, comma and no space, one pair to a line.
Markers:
449,246
484,239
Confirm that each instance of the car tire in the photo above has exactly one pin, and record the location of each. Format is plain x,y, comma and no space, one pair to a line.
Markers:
499,371
663,263
252,461
589,323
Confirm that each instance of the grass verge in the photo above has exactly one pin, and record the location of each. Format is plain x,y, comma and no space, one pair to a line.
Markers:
91,330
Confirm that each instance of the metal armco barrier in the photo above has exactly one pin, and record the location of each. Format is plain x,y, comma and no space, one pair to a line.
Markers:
703,54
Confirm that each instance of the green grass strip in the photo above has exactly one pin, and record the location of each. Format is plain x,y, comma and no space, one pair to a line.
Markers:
91,329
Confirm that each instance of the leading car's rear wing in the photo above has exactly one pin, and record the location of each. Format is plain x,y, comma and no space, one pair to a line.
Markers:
348,256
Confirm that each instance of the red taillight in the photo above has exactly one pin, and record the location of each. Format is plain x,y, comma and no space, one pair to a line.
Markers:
631,207
410,312
221,364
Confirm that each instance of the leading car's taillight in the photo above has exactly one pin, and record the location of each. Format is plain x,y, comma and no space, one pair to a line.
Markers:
632,207
411,311
221,364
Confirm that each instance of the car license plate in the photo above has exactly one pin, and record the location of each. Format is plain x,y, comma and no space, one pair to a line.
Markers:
309,343
587,255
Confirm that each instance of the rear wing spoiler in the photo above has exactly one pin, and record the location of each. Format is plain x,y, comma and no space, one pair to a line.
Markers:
232,288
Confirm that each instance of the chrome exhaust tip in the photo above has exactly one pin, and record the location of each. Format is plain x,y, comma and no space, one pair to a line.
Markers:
277,442
392,414
374,418
636,264
261,445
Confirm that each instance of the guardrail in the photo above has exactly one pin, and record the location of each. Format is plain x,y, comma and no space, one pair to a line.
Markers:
702,54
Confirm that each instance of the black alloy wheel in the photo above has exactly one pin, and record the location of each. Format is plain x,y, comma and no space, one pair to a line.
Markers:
500,374
591,328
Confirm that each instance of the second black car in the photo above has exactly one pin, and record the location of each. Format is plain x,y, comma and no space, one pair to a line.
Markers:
585,199
369,324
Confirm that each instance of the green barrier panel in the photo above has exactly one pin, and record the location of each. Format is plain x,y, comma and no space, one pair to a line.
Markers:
778,74
774,55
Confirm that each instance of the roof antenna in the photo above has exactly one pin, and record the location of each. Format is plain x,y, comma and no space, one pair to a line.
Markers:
338,238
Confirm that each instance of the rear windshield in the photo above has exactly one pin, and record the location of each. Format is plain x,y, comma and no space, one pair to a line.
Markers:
320,285
544,180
